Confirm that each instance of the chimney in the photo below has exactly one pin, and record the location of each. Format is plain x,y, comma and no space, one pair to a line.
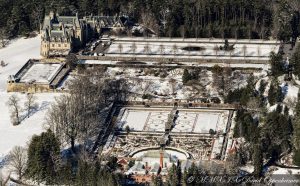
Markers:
161,159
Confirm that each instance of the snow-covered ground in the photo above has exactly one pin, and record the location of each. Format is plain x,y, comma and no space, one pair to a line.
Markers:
195,40
16,55
18,135
190,121
264,66
41,73
291,93
251,52
242,50
211,120
284,177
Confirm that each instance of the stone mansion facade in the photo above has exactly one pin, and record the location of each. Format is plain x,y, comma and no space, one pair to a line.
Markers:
61,34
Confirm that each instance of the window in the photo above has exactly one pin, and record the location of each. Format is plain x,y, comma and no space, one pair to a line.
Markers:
65,45
52,45
58,45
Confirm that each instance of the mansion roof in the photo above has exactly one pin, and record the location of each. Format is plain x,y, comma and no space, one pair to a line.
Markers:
63,28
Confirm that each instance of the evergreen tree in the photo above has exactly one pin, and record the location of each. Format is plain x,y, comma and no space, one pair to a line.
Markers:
257,160
279,108
262,87
185,177
71,60
272,96
112,163
157,181
43,153
172,178
226,45
276,64
295,61
66,174
191,169
95,172
178,172
231,19
84,173
286,111
276,133
186,76
296,157
296,126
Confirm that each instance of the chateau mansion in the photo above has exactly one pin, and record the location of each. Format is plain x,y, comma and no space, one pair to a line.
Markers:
62,34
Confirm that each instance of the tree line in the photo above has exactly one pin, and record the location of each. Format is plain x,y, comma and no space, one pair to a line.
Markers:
172,18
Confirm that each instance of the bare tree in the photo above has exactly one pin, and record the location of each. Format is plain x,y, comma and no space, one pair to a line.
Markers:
182,31
147,85
218,80
71,60
3,39
120,47
174,49
189,49
290,102
133,47
227,72
147,49
14,104
244,50
4,180
232,163
38,14
63,119
2,63
216,49
161,49
18,160
76,117
131,8
163,17
253,105
30,103
230,53
295,5
173,85
258,51
148,20
129,32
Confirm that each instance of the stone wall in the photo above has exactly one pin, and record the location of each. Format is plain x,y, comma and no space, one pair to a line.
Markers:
47,46
170,59
31,88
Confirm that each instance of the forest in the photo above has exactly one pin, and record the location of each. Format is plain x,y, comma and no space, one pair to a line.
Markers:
172,18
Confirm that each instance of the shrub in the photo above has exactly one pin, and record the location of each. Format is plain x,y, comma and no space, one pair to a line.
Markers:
147,96
296,157
217,69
